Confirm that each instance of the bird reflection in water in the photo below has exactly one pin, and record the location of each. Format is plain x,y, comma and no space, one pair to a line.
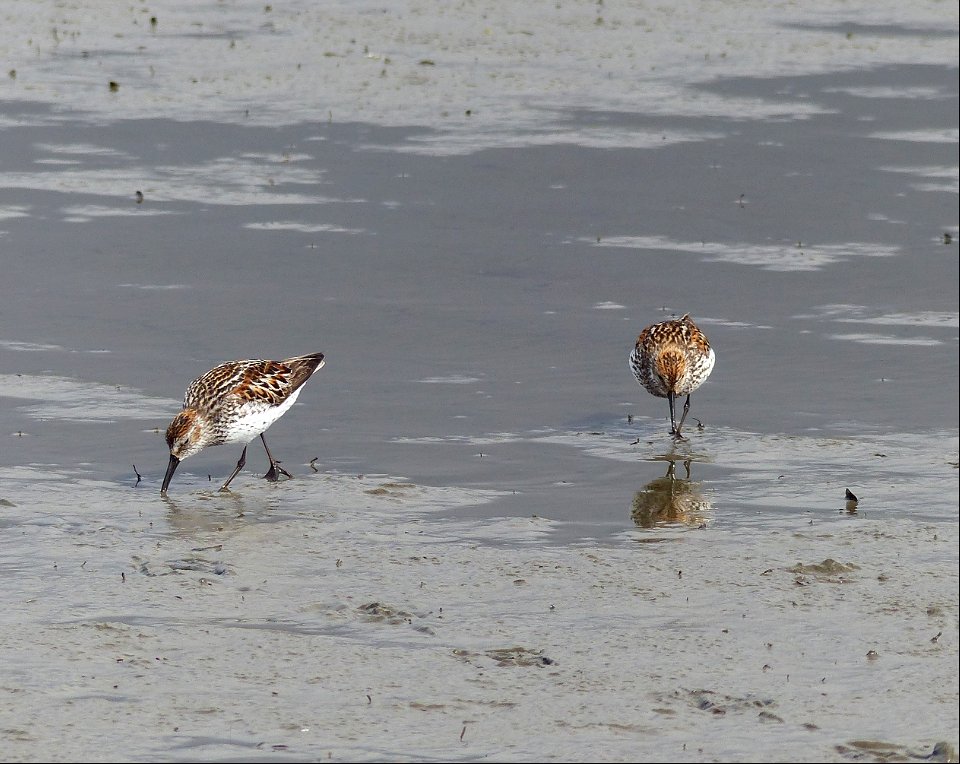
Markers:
670,500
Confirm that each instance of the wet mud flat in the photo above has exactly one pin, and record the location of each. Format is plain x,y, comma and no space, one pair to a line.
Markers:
370,617
337,616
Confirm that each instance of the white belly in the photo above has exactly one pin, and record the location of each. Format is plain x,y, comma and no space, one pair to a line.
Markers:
253,419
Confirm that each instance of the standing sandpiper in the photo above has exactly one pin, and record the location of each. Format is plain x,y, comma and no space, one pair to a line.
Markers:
234,403
672,358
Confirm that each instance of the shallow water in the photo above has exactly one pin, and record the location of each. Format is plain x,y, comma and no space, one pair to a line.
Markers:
491,549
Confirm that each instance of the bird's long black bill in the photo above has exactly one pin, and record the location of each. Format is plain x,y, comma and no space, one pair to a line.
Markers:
171,468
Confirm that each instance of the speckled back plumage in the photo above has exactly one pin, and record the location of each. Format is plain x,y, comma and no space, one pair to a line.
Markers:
672,356
254,390
234,403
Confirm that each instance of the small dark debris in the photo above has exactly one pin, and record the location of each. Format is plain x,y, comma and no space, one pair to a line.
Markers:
943,751
851,496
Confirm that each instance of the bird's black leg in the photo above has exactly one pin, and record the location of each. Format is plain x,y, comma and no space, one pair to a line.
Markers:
674,430
240,463
686,410
273,474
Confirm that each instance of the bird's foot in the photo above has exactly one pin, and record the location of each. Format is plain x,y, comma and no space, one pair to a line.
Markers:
273,474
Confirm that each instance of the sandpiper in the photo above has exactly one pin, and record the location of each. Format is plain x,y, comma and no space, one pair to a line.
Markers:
234,403
672,358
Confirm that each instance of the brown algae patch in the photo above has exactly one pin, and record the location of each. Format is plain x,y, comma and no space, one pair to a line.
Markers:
397,490
522,657
518,656
829,571
878,750
377,611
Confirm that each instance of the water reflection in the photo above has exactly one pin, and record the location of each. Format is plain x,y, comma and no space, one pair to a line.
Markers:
205,512
670,499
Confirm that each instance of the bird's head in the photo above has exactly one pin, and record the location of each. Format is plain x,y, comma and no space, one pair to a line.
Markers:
186,436
671,365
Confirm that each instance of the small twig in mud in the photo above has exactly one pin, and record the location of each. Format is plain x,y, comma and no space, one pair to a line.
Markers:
139,476
313,464
463,731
